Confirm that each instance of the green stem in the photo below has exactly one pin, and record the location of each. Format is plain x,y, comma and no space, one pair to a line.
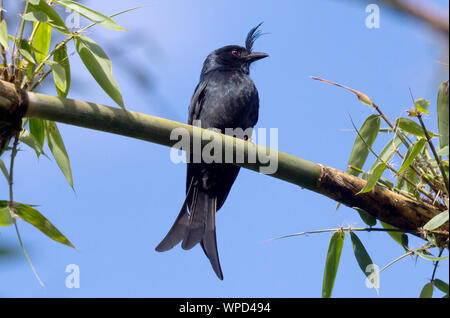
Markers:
433,149
22,26
403,256
367,229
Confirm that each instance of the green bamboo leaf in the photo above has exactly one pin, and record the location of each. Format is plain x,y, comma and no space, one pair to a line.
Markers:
26,51
400,237
369,131
442,114
412,188
34,217
48,15
387,153
374,177
436,221
37,129
427,291
366,217
443,151
422,105
441,285
413,151
30,141
91,14
364,261
41,40
61,72
35,2
412,127
5,216
4,41
56,145
4,170
332,262
36,16
99,65
386,182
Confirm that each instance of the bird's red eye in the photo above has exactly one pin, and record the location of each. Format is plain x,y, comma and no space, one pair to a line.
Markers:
235,53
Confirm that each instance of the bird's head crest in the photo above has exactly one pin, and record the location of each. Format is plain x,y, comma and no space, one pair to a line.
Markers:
252,36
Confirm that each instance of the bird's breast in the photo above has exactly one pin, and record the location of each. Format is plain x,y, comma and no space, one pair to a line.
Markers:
231,101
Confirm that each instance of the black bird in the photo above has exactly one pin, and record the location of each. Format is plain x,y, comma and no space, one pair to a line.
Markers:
225,97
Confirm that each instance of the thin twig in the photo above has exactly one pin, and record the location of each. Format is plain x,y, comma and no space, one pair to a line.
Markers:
436,264
368,229
433,149
11,169
27,257
12,207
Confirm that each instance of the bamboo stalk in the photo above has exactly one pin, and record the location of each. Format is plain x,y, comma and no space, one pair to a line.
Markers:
383,204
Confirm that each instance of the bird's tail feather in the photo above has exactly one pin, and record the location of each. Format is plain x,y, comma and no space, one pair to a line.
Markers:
198,213
179,228
198,227
209,242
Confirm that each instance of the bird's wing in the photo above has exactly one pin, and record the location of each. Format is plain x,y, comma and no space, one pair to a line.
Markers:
197,100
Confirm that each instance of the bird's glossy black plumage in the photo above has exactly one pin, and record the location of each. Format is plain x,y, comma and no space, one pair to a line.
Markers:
225,97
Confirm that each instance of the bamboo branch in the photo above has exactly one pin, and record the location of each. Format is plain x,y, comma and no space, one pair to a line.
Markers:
383,204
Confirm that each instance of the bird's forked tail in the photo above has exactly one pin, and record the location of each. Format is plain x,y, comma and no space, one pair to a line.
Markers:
197,226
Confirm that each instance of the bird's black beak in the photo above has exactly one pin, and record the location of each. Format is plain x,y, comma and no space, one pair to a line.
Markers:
254,56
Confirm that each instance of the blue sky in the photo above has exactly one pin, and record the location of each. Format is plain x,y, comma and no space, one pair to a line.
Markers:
128,192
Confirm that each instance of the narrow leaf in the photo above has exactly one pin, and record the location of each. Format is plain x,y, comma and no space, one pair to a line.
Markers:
366,217
332,262
30,141
56,145
99,65
422,105
36,16
368,132
400,237
387,153
37,129
53,18
61,72
413,151
374,177
427,291
441,285
4,170
34,217
26,51
412,127
436,221
5,216
364,261
91,14
442,114
443,151
4,41
41,40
